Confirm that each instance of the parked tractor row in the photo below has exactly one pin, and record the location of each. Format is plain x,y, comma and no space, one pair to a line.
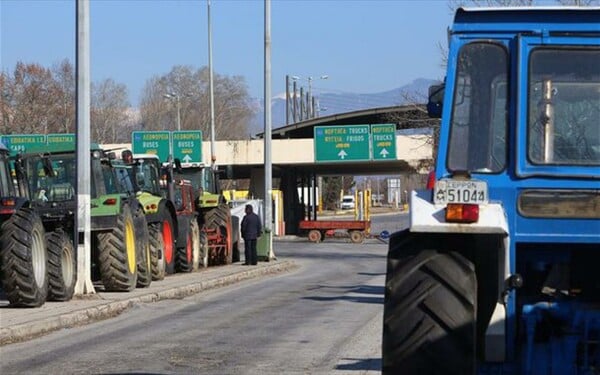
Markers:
145,223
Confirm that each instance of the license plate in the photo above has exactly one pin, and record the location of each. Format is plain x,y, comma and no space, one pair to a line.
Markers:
460,191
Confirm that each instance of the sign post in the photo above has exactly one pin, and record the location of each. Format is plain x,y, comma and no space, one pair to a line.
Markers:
342,143
187,146
23,142
152,142
60,141
383,137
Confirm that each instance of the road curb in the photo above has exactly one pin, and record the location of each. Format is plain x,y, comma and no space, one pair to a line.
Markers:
25,331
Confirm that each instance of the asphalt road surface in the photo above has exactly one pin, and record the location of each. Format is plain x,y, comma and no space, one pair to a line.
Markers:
322,318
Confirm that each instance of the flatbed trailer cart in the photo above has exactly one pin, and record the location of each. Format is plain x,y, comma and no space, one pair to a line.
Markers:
318,229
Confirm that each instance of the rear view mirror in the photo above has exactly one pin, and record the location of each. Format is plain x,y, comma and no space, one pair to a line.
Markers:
436,98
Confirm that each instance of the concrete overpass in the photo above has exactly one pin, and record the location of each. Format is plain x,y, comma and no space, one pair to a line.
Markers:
293,155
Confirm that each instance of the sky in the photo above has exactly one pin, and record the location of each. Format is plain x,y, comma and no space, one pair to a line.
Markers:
362,46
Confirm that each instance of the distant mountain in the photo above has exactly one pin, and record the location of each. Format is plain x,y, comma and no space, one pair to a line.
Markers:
333,103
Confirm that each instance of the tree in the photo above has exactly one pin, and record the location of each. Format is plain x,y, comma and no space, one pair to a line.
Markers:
187,88
30,96
109,119
64,111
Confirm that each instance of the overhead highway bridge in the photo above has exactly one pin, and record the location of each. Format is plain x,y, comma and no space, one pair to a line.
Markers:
298,158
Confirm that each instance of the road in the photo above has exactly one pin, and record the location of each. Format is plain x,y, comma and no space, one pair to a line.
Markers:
322,318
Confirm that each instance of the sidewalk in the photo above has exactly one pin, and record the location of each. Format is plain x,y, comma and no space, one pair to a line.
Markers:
19,324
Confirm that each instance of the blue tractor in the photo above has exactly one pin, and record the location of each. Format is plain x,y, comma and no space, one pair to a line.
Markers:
499,270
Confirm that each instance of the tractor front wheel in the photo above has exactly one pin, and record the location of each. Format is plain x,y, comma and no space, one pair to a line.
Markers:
117,254
62,266
157,254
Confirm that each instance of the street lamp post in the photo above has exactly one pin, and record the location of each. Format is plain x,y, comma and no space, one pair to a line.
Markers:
177,98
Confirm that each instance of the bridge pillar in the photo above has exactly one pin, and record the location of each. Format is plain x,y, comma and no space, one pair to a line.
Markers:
293,211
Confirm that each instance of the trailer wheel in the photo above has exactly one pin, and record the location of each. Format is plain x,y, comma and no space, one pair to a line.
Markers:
144,259
204,250
184,260
429,313
62,266
117,254
157,255
315,236
23,259
356,236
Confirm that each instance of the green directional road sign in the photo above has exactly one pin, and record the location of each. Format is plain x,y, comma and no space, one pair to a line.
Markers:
61,141
342,143
23,142
152,142
383,137
187,146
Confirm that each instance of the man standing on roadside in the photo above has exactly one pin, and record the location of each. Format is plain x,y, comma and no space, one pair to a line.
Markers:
251,230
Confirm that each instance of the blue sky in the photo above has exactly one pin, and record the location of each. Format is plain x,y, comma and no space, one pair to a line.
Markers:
363,46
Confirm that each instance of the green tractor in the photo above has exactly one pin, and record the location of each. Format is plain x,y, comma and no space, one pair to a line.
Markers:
120,251
161,214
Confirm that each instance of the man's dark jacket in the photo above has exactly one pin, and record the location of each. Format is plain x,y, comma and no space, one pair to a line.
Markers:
251,226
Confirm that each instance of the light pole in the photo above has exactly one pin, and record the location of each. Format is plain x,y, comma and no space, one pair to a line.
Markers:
177,98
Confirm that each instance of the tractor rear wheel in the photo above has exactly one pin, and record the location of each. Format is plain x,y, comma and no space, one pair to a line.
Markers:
62,266
429,313
117,254
23,259
157,255
184,260
169,236
144,262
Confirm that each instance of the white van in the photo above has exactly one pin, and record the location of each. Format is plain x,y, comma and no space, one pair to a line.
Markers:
348,202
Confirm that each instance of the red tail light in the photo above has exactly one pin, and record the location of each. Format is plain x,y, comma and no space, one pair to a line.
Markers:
462,213
431,180
110,202
8,202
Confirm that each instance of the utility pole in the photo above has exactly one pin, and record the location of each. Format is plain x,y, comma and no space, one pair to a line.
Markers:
268,162
83,284
213,156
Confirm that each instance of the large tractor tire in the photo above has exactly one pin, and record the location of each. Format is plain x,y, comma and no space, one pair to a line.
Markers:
429,317
23,259
144,263
62,266
157,255
117,254
184,261
219,218
167,228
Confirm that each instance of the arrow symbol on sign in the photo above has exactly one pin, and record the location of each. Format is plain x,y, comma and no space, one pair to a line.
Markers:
342,154
384,153
187,159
